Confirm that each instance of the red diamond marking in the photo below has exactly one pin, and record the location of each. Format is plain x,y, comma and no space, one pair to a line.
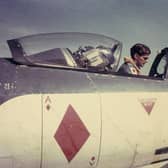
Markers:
71,134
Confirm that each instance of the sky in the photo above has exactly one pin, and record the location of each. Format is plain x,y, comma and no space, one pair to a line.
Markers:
129,21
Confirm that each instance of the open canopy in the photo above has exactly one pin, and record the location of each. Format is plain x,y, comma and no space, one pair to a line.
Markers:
77,50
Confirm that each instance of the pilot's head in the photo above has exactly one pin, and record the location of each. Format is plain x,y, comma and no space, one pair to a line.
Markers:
140,54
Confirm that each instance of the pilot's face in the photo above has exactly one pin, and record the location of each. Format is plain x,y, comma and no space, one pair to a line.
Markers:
141,60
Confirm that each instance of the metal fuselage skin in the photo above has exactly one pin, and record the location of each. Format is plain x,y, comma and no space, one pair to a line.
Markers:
53,117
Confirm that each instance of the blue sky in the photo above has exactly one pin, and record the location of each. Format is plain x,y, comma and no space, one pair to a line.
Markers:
129,21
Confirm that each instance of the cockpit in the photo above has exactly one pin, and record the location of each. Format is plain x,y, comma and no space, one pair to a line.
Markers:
78,51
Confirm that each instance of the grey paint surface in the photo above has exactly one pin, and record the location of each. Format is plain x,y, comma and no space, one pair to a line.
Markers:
23,80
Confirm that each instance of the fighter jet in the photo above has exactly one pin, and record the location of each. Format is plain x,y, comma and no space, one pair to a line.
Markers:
64,105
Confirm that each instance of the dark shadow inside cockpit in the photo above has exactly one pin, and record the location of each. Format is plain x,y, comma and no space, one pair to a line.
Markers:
159,67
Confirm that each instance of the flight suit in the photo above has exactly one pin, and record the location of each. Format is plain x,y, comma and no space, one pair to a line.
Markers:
129,67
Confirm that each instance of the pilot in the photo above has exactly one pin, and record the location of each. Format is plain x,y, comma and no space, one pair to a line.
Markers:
139,56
